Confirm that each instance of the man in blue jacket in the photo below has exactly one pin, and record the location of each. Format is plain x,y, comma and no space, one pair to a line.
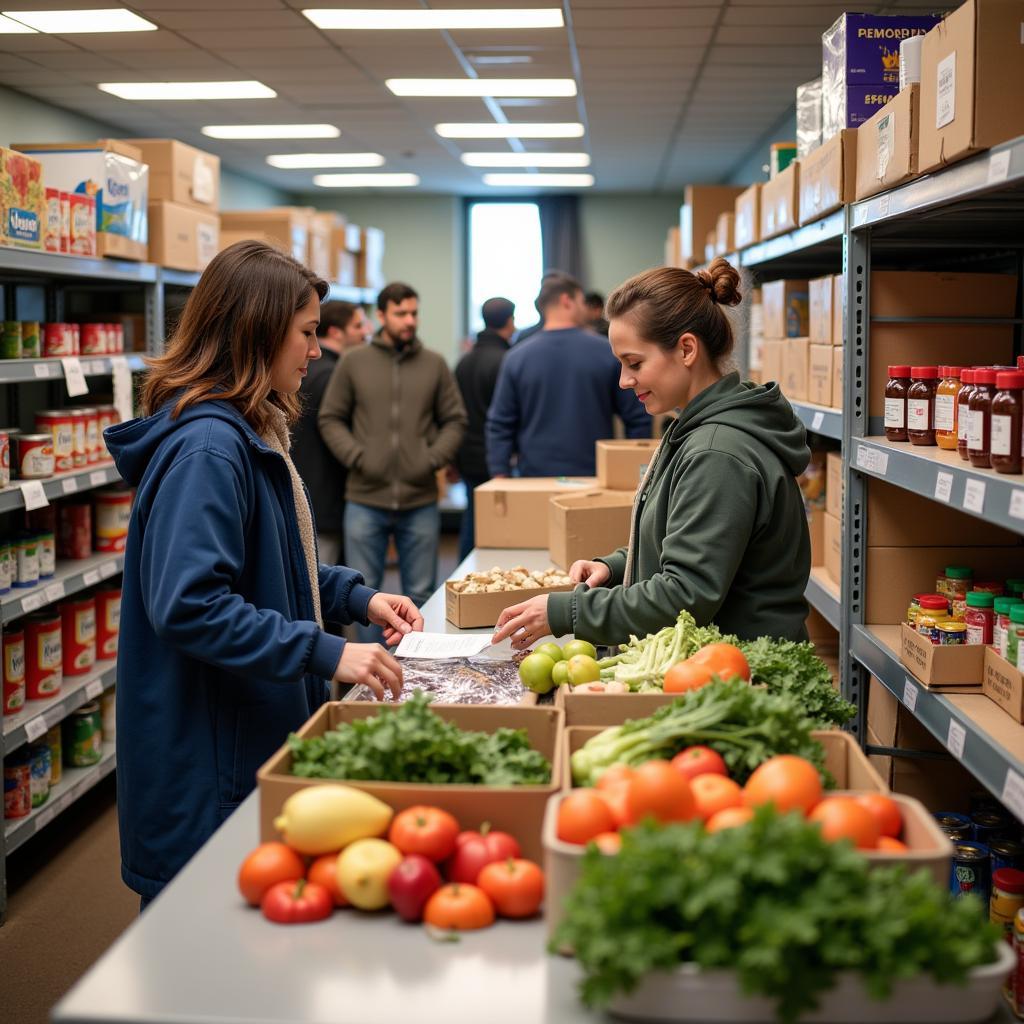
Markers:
558,392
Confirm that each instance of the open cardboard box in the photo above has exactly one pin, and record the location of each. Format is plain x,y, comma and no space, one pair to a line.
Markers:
606,709
518,810
479,611
1003,684
588,525
959,667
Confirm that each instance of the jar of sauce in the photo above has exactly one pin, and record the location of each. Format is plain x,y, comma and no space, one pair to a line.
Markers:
946,395
1001,631
921,404
934,611
915,606
1007,406
963,413
980,617
979,428
1015,635
896,391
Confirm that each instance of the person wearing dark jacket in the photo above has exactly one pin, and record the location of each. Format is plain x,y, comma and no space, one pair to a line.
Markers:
557,393
718,526
223,650
476,375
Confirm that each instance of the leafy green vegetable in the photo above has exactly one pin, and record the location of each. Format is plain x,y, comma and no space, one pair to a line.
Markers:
744,724
645,661
772,900
409,743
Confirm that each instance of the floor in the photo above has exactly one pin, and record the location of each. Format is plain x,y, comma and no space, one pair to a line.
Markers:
66,900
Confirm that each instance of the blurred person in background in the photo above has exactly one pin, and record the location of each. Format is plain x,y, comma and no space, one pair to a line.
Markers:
595,313
477,375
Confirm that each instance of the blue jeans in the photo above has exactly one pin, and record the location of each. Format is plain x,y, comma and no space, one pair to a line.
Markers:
467,530
416,531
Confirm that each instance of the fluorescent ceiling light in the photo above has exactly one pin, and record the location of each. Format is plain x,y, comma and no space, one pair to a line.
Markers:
522,59
306,160
531,180
14,28
66,23
271,131
537,17
366,180
248,90
526,159
494,87
488,130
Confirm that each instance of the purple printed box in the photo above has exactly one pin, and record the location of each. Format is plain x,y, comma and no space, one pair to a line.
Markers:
865,48
849,106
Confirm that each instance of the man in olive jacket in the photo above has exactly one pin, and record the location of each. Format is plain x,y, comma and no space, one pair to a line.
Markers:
393,415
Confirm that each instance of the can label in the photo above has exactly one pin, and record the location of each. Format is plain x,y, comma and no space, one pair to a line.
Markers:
31,347
92,437
52,221
94,340
59,429
75,531
17,790
27,568
35,458
895,411
83,739
56,754
108,622
918,411
78,431
113,513
14,672
43,657
40,784
6,568
78,631
945,413
47,556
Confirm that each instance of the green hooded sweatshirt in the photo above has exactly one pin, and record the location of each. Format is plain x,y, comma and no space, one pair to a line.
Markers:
719,528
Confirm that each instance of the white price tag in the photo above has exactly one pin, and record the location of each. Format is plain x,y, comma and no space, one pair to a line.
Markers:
44,817
910,692
70,485
108,569
94,368
819,418
54,715
97,478
1013,793
91,578
35,727
944,487
1017,504
945,91
123,393
42,370
54,592
956,739
883,205
974,496
998,167
34,495
31,602
74,377
94,689
872,460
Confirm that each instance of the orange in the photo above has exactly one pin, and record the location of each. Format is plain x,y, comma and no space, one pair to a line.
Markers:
886,812
886,844
714,793
842,817
787,781
608,842
658,791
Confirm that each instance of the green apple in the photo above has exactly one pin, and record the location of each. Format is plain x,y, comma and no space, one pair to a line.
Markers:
535,672
551,649
560,673
583,669
574,647
363,870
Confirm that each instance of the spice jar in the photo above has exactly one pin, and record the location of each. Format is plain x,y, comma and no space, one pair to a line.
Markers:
1007,900
963,412
954,584
946,395
1015,636
933,611
1001,630
980,617
952,632
979,427
896,393
1007,405
921,404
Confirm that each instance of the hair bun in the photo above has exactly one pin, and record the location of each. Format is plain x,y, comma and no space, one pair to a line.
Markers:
722,281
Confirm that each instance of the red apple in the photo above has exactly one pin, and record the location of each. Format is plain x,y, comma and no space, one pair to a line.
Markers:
411,884
475,850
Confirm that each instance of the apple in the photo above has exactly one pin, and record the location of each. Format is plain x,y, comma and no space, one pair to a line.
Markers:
411,884
535,672
574,647
583,669
363,871
551,649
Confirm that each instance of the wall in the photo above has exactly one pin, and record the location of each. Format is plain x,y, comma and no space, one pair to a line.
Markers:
751,168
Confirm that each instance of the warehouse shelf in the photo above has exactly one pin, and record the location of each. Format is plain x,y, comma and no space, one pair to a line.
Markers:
177,278
60,485
820,419
21,371
822,238
350,293
70,578
823,594
976,731
26,263
39,716
75,782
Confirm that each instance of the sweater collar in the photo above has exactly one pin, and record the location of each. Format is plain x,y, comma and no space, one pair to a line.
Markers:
488,337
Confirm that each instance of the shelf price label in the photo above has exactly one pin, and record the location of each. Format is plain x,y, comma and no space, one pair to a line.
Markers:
33,494
91,578
910,692
819,419
94,689
999,163
35,727
54,592
74,377
1013,792
974,496
98,478
31,602
42,370
943,487
1017,505
872,460
108,569
956,738
70,485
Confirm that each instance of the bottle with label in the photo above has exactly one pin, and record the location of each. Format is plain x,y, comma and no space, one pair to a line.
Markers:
980,617
963,412
1007,406
896,388
979,426
946,395
924,380
1001,631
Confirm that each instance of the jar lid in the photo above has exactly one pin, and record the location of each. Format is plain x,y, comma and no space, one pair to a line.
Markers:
1010,380
950,371
1017,613
924,372
959,572
967,375
980,599
1009,880
1004,604
934,602
985,375
899,371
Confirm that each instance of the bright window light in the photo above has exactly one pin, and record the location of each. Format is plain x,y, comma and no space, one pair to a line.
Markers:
487,130
526,159
537,180
67,23
494,87
505,259
366,180
271,131
248,90
538,17
14,28
307,160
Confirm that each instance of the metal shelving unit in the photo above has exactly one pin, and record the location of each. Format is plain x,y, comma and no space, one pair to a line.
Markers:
21,264
350,293
22,371
819,419
61,485
823,595
70,578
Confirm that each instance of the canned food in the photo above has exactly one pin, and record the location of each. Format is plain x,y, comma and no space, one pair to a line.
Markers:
14,670
43,655
31,347
40,766
1006,853
76,339
92,434
26,555
47,554
7,566
115,338
108,621
58,341
5,458
951,632
18,785
113,513
108,417
78,635
74,530
83,737
79,427
956,826
108,714
58,424
94,339
10,340
971,871
33,456
56,756
989,825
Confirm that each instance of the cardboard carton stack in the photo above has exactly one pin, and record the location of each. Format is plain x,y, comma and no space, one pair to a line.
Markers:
824,380
786,350
698,218
286,227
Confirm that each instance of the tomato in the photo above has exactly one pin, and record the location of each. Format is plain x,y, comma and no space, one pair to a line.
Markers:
731,817
574,647
551,649
296,902
268,864
886,844
694,761
608,842
582,815
459,908
614,776
560,673
684,675
475,850
714,793
324,871
842,817
886,812
515,887
724,660
428,831
787,781
535,673
658,791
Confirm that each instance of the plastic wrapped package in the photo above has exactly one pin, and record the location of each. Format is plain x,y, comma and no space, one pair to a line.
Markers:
808,117
477,680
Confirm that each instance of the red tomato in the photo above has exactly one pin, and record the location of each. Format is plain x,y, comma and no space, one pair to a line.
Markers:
714,793
886,812
616,799
459,908
428,831
475,850
658,791
842,817
731,817
515,887
614,775
886,844
724,660
268,864
694,761
296,902
685,675
583,814
787,781
324,871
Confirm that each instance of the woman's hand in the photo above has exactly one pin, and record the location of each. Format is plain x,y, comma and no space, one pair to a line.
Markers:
527,621
594,574
396,614
369,665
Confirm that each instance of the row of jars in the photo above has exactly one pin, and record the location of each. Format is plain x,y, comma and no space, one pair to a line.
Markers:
28,339
977,411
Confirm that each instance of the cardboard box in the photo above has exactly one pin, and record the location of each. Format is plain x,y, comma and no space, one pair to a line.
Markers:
884,712
834,484
747,217
820,319
622,464
828,176
785,307
937,666
698,216
931,293
320,257
725,241
515,809
588,525
972,79
838,308
837,378
286,227
771,361
1004,685
181,174
182,237
370,261
346,270
673,256
24,200
513,512
819,375
834,549
608,709
481,611
353,238
796,356
780,202
816,531
887,144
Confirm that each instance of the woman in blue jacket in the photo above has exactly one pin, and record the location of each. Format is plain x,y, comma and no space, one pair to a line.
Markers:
223,650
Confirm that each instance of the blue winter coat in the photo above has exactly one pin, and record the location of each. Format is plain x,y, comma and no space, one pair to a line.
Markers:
220,656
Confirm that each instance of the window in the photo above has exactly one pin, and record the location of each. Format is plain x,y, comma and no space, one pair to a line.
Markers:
505,258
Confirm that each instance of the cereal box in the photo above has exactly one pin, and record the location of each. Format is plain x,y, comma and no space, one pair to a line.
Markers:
22,200
52,221
81,224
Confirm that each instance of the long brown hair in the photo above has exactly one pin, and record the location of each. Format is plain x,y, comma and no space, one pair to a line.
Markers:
234,324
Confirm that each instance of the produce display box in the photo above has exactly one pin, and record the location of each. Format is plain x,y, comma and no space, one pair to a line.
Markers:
477,611
518,810
588,525
1003,684
957,667
606,709
621,464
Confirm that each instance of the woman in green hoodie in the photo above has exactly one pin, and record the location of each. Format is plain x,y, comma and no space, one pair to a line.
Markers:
718,525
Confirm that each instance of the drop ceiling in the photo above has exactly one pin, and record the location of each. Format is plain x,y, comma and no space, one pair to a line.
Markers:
670,91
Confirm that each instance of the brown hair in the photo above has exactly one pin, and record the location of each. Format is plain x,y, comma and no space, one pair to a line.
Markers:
553,287
232,327
668,302
335,314
396,292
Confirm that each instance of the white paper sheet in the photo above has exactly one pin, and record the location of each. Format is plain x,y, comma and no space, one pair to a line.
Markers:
442,645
